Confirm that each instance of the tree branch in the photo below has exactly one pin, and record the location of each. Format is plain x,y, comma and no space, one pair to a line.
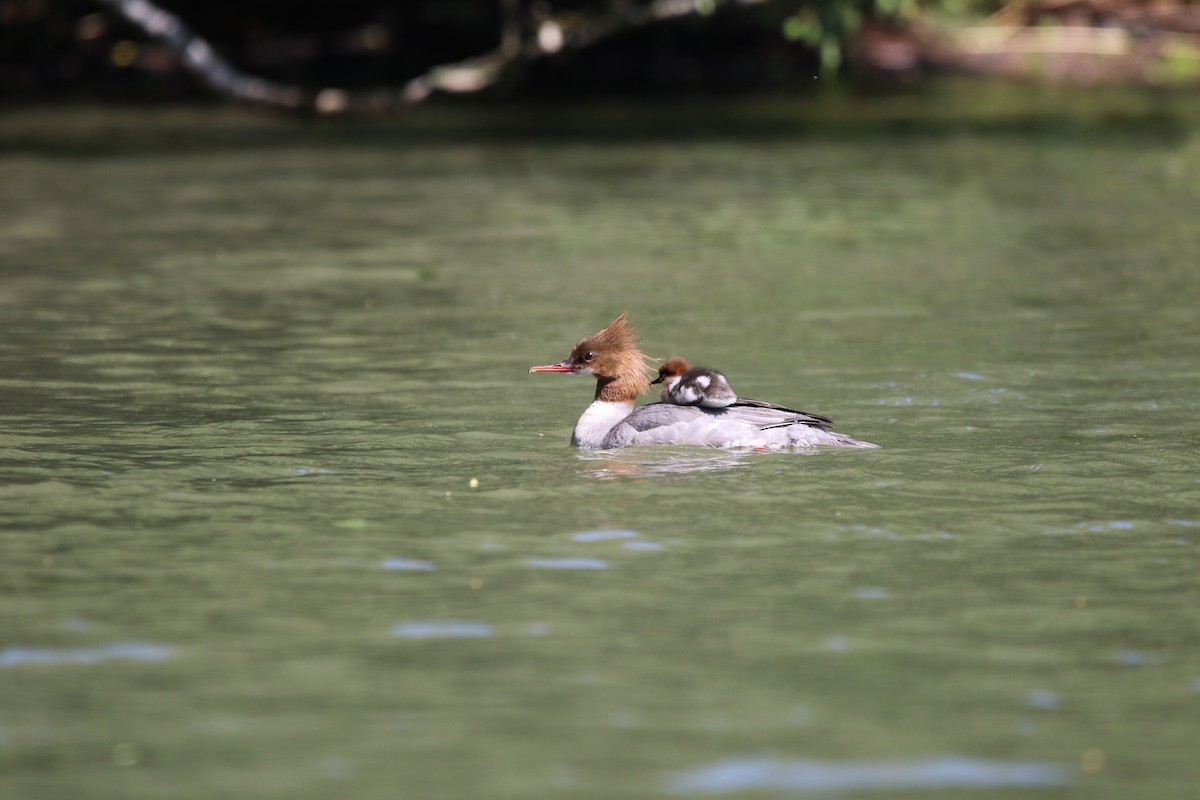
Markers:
198,57
550,35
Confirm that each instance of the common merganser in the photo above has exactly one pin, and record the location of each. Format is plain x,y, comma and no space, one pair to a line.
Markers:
612,357
685,385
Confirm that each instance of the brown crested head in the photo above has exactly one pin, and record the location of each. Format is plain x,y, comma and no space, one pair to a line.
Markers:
672,368
612,352
613,357
600,353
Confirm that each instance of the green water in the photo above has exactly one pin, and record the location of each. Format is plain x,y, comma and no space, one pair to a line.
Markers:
250,369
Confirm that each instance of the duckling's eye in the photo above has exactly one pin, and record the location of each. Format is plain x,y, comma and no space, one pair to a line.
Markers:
589,356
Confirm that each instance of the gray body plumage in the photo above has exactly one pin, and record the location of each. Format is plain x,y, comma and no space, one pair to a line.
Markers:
738,425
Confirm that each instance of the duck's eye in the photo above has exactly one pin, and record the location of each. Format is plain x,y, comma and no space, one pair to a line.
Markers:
589,356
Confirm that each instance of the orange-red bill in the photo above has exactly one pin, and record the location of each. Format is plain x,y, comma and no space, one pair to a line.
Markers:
562,366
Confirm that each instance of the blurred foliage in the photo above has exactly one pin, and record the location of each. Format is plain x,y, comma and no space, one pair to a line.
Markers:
1179,64
62,47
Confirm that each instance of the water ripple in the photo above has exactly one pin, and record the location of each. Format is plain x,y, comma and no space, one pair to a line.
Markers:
603,535
1042,698
449,629
407,565
946,772
20,656
567,563
1092,527
836,644
1137,658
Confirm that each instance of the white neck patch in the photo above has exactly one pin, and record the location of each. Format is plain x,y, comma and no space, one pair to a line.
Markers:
597,420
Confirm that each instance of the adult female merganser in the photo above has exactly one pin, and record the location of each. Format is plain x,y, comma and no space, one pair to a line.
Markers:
612,357
685,385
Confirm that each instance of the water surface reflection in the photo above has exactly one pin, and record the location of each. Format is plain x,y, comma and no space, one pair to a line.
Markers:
946,772
449,629
20,656
641,462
